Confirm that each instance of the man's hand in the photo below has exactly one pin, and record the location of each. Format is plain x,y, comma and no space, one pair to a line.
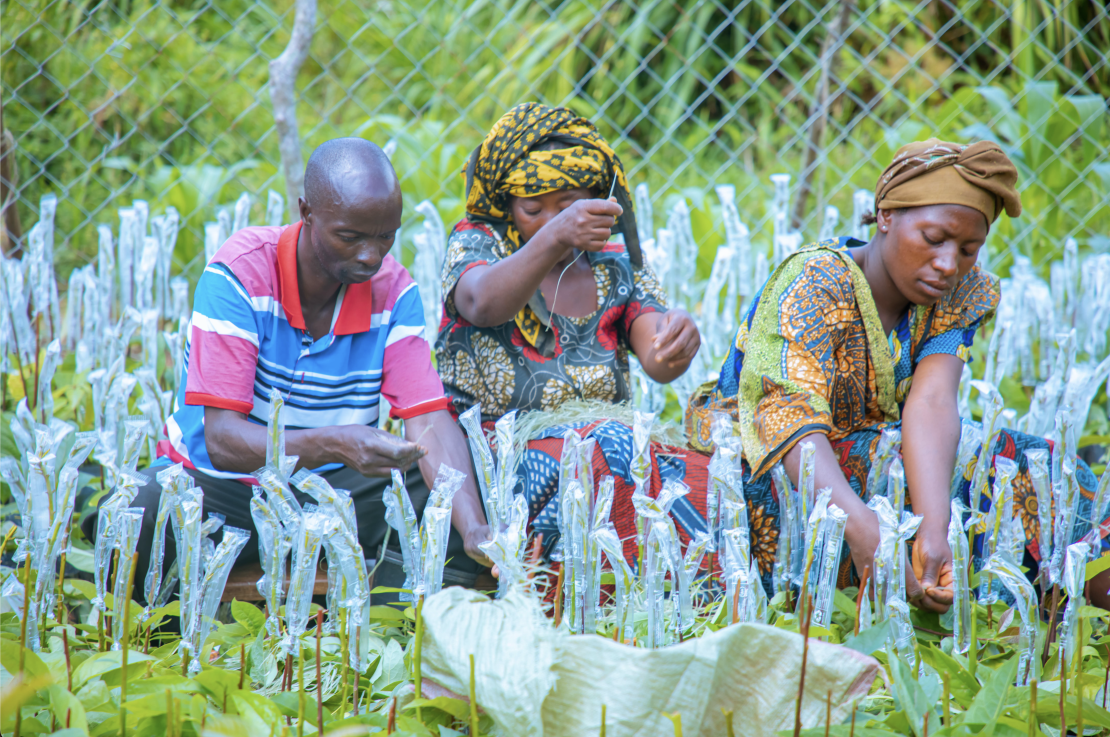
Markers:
586,224
932,565
474,537
374,452
677,339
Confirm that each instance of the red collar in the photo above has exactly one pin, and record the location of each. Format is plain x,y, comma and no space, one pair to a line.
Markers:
354,314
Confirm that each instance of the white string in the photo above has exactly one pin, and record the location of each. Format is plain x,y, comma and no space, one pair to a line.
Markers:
560,281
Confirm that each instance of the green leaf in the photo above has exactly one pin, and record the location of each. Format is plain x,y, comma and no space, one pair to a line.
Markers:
79,586
870,639
1096,566
386,614
33,666
911,697
100,664
249,616
455,707
962,684
991,700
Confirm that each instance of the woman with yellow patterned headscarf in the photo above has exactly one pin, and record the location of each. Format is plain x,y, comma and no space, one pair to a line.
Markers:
542,306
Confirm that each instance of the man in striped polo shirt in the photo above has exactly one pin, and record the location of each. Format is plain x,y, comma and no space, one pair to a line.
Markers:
321,312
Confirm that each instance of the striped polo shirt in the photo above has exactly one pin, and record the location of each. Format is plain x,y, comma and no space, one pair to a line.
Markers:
248,335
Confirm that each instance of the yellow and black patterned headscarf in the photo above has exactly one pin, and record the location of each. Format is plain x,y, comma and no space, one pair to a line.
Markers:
507,164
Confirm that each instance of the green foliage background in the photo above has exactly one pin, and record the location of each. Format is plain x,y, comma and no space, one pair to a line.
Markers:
114,100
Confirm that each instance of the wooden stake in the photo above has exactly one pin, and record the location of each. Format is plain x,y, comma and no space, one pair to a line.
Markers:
1033,708
23,636
300,692
69,665
60,616
973,653
391,720
862,593
603,720
1063,691
559,596
319,680
473,692
828,713
242,663
728,724
1051,622
804,603
925,725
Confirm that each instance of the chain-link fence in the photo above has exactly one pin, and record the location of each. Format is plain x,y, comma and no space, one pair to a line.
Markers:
107,101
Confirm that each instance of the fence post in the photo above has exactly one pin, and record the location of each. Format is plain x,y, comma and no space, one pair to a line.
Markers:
283,78
819,113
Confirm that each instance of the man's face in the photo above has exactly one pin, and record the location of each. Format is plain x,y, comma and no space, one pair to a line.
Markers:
352,230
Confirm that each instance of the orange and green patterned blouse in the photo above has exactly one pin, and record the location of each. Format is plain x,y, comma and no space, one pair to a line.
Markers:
811,355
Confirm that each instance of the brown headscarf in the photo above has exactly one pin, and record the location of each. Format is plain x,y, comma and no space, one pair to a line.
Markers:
935,172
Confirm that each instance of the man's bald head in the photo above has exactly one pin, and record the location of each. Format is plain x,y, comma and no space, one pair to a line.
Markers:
344,169
351,210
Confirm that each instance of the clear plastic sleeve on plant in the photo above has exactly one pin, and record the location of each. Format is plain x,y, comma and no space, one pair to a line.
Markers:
130,522
1066,495
447,483
735,567
172,479
280,497
886,449
506,548
337,500
598,518
992,410
401,516
835,521
1075,565
574,554
896,484
624,598
302,580
212,587
434,529
806,490
883,574
784,567
107,531
653,574
471,421
271,557
640,467
961,591
816,530
998,524
275,434
506,469
186,530
1037,460
721,473
1025,602
898,613
971,439
687,571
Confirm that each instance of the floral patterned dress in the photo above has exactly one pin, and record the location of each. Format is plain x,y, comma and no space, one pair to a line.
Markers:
583,358
811,356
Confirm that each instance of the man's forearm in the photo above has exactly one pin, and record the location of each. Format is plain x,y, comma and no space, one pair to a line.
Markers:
446,445
238,445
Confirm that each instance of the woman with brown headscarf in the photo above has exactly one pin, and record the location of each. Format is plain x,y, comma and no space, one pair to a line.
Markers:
848,339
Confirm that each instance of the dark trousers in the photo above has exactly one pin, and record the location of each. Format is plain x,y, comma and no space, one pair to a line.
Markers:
232,499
